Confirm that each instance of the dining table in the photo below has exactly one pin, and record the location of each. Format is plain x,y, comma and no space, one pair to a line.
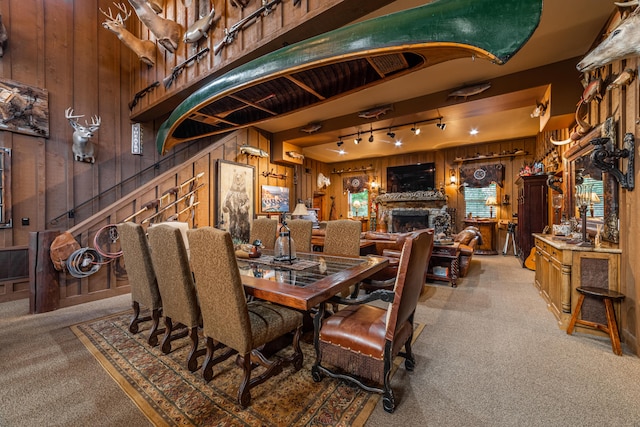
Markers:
308,280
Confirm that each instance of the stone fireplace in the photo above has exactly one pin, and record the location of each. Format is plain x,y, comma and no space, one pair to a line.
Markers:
405,212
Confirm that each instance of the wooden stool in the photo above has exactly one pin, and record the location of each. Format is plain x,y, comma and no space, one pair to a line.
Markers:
611,327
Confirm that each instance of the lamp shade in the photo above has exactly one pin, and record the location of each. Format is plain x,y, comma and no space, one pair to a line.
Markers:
300,210
491,201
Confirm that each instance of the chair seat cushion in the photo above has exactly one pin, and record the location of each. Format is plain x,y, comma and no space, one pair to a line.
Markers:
360,329
271,321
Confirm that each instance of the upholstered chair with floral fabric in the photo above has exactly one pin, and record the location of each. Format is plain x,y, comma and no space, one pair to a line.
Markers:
265,230
301,230
177,289
142,278
359,342
229,320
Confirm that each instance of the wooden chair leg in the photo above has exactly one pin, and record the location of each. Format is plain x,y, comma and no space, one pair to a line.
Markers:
576,313
133,325
154,332
612,327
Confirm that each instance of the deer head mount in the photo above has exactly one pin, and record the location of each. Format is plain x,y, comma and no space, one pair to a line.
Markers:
168,32
145,49
83,149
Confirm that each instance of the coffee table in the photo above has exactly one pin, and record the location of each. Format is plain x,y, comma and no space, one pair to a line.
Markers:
444,264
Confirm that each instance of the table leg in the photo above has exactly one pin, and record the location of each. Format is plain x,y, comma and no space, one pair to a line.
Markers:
454,271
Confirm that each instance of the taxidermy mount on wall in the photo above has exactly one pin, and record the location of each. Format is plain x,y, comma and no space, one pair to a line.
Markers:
145,49
83,150
168,32
200,28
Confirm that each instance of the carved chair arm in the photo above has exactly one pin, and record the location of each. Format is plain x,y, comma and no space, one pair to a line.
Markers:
380,294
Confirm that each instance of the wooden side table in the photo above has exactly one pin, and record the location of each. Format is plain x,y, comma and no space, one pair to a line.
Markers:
487,229
444,264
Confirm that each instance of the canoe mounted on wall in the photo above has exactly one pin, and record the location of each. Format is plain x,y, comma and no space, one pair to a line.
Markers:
349,59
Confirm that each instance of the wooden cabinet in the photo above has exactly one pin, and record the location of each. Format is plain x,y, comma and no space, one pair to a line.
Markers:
562,267
532,211
487,229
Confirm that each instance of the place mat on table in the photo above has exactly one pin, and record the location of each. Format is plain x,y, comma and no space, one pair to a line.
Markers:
297,264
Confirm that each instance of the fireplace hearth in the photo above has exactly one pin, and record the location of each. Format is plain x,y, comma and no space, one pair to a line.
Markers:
406,220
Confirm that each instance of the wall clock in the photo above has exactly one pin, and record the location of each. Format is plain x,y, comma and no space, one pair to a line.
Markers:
479,174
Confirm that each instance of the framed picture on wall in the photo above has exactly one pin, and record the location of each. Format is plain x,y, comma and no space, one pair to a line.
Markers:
235,199
274,199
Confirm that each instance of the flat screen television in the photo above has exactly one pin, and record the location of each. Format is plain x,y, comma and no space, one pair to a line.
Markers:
420,177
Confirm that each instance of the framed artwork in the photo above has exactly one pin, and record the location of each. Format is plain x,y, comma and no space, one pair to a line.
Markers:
235,196
24,109
275,199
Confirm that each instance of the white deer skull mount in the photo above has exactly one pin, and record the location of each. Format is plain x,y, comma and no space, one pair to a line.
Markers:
83,149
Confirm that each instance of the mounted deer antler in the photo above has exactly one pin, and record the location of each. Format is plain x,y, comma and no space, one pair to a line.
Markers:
145,49
82,146
167,32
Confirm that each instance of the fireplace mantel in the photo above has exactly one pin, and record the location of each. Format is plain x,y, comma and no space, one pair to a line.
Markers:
414,196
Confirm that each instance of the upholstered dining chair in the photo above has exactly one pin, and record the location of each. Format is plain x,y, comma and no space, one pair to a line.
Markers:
142,278
361,340
230,320
265,230
301,230
177,289
342,238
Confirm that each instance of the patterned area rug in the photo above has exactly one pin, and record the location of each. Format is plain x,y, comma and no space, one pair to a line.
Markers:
169,395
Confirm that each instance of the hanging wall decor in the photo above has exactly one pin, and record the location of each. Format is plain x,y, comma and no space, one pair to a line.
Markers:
482,176
235,198
24,109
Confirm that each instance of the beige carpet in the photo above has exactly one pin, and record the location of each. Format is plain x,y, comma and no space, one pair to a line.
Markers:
169,395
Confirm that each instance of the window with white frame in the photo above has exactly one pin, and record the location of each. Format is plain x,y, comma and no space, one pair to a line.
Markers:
475,200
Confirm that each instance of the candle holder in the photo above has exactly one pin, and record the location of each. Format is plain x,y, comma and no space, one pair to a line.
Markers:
583,200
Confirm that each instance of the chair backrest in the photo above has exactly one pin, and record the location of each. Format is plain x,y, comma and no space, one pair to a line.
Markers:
264,229
342,238
301,230
171,264
222,299
410,279
137,259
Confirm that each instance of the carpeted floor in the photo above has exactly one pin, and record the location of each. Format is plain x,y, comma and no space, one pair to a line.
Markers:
169,394
491,354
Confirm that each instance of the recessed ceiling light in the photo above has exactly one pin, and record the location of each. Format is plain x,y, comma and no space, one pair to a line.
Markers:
341,152
473,131
398,143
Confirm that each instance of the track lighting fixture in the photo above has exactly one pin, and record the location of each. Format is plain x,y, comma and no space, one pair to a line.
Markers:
339,143
371,137
441,126
357,139
415,129
391,134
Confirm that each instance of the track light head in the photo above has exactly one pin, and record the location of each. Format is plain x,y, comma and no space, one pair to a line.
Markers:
391,134
441,125
371,137
415,129
339,143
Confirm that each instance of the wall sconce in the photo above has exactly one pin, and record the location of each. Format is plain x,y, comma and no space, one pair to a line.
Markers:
452,176
607,160
552,180
374,184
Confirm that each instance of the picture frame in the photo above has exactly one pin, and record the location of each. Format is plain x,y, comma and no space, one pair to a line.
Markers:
235,199
274,199
23,108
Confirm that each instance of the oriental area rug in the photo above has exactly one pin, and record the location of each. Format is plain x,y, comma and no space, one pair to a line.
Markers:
169,395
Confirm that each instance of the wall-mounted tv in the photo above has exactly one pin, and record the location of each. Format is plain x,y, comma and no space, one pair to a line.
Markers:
420,177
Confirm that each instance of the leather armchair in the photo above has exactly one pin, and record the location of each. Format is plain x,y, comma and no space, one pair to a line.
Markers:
362,340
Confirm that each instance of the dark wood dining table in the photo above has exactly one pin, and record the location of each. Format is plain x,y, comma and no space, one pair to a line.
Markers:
310,280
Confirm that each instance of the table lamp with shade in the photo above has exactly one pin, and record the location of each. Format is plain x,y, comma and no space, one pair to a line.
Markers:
300,211
491,202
